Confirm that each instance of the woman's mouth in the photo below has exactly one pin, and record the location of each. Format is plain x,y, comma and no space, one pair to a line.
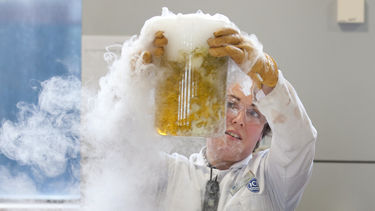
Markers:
233,135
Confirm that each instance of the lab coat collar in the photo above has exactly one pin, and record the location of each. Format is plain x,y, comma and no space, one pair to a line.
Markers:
201,160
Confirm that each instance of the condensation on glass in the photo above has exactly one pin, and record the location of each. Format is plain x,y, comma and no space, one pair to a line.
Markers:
190,101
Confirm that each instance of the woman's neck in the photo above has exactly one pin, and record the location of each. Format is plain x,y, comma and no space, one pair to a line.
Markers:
214,161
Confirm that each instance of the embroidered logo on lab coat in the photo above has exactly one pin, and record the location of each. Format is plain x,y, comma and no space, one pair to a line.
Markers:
253,186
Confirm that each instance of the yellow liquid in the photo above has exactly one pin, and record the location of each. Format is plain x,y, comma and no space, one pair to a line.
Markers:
190,100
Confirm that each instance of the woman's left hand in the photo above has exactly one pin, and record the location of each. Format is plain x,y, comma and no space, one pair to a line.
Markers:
229,42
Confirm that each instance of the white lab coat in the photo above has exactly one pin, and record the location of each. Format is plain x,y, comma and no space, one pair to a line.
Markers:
281,172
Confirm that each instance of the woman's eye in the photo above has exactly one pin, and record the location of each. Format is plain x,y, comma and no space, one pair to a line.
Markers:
231,104
252,113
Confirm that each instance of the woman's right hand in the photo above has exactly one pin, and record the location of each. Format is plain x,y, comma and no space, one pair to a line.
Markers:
159,42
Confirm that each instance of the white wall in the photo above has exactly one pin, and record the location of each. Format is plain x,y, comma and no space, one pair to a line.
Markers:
331,66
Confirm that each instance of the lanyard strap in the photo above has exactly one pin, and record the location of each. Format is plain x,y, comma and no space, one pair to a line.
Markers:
212,194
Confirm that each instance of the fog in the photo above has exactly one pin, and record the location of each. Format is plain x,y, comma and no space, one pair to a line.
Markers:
44,138
122,158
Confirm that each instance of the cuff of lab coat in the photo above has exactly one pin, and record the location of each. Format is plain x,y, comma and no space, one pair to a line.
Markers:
261,98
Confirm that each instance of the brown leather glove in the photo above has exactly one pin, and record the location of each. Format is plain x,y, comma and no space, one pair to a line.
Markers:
229,42
159,42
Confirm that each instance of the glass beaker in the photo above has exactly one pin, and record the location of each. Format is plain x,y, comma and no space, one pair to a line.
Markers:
190,96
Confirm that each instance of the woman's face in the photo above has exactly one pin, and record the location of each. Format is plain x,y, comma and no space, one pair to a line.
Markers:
244,126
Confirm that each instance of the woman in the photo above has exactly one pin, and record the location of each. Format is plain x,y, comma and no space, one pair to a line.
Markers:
226,174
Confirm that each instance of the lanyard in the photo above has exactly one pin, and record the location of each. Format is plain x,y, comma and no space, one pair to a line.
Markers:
212,194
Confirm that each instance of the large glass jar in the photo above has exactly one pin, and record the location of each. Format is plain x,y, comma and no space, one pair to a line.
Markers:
190,96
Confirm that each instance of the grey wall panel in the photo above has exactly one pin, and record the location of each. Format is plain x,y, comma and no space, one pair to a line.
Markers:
94,65
331,65
340,187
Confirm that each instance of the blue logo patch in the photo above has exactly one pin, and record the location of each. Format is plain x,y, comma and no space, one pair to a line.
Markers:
253,186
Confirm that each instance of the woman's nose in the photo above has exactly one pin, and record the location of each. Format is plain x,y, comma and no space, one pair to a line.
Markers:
239,119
